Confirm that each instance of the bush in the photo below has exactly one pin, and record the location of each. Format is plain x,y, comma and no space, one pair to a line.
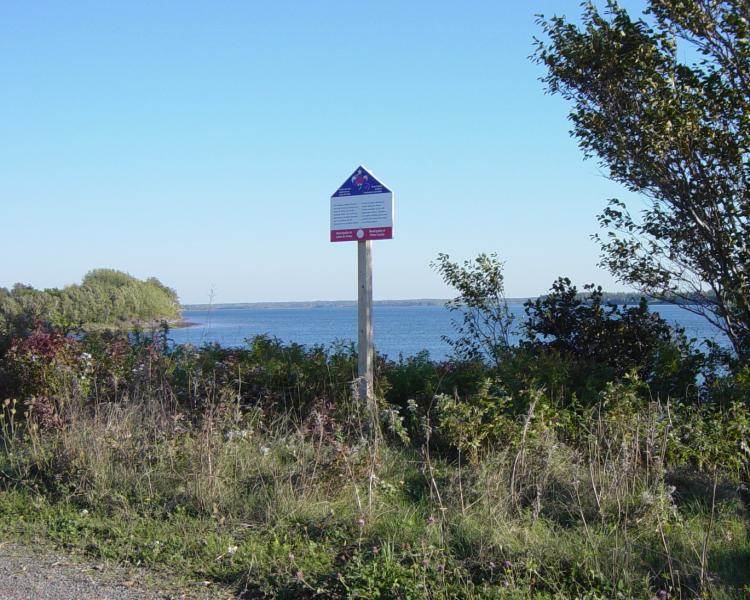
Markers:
598,343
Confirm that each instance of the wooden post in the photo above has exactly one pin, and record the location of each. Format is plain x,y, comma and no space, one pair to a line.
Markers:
364,321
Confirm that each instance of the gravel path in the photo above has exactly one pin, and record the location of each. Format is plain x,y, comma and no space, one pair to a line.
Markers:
27,574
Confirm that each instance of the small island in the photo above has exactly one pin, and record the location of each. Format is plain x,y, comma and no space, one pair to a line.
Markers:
105,299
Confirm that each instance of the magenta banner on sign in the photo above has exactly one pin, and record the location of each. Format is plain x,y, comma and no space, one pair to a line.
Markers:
356,235
361,209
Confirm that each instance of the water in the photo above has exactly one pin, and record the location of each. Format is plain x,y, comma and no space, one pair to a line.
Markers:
398,329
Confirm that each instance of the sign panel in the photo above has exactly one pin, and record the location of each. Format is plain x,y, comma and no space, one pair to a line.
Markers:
361,209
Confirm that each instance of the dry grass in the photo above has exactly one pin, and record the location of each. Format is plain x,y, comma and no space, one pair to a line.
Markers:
300,508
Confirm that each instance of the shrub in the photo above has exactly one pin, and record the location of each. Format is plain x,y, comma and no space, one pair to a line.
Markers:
485,326
600,342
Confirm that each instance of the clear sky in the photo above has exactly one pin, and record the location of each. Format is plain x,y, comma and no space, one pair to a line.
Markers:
200,143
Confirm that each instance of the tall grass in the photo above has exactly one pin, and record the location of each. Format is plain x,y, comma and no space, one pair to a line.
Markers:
282,506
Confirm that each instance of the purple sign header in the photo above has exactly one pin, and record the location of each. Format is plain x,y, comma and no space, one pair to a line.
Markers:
360,183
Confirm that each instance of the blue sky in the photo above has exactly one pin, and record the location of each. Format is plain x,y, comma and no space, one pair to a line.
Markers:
200,143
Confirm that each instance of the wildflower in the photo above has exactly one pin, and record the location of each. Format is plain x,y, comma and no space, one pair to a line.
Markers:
431,520
290,556
264,450
492,566
84,513
231,550
507,565
361,522
425,562
441,568
299,576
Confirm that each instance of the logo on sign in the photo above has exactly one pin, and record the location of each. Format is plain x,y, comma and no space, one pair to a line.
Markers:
361,180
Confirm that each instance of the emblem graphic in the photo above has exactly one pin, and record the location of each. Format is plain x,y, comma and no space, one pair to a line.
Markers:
361,180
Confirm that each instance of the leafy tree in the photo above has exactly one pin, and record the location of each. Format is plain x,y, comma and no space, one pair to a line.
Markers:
485,325
676,131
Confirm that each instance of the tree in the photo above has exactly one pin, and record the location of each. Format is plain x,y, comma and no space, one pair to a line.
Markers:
485,326
675,131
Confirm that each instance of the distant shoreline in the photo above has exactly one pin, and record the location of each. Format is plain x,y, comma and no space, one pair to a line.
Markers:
140,325
313,304
614,298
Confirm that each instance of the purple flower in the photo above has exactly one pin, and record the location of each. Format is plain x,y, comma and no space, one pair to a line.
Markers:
431,520
507,565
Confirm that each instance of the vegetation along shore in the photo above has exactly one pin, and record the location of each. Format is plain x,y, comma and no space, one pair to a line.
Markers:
603,454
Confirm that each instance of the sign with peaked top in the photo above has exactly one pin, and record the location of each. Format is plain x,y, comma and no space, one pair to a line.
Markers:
361,209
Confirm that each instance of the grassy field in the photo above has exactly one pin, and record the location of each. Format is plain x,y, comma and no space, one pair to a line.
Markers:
291,508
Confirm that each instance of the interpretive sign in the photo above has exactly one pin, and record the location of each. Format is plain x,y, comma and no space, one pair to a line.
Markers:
361,209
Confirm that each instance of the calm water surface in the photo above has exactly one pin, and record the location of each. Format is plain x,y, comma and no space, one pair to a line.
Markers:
398,329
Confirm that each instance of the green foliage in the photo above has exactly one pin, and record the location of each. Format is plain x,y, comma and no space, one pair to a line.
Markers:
574,344
673,131
105,297
249,467
712,438
600,343
513,478
485,326
470,423
419,379
282,511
